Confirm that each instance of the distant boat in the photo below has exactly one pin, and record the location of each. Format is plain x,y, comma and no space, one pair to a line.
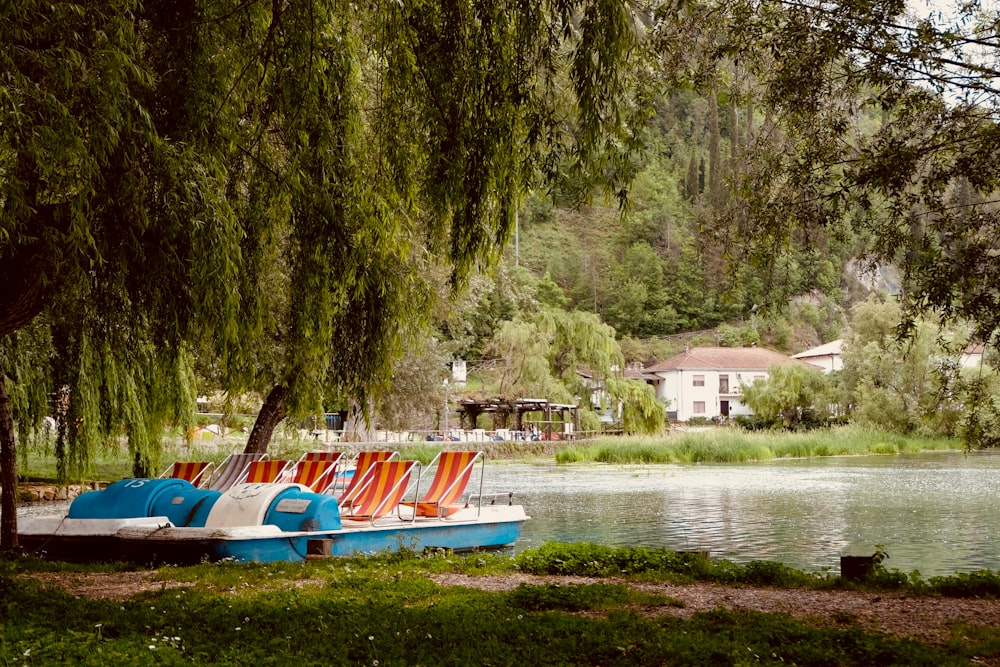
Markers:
172,521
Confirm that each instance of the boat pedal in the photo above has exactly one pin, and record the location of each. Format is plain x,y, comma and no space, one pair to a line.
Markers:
319,548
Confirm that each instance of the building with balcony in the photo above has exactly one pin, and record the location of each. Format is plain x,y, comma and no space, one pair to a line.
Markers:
705,382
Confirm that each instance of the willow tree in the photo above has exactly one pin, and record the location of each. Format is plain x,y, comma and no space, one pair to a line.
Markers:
539,353
117,242
272,177
416,128
788,393
641,412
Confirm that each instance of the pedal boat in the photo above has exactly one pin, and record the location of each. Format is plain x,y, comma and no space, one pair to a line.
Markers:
150,521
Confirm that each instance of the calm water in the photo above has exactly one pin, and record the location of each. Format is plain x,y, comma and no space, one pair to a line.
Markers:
936,513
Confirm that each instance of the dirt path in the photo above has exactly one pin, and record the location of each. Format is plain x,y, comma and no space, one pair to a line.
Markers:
926,619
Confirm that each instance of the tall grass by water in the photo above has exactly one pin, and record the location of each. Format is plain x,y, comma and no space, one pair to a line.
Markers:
726,445
712,445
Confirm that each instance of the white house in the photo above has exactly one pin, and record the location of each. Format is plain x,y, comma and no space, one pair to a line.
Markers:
973,355
825,356
705,381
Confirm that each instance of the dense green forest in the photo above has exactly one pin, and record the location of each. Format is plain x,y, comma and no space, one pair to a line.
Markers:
647,279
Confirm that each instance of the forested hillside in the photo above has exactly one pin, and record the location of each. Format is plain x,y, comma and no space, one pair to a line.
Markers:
662,266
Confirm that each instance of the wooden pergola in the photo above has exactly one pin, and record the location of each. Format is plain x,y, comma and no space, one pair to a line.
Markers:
503,410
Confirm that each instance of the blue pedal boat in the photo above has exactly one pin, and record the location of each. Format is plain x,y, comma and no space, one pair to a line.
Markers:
170,520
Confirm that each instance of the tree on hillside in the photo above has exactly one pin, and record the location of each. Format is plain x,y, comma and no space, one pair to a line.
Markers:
160,164
888,121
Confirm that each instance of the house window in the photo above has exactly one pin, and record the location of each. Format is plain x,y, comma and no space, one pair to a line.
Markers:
759,377
699,407
698,381
723,384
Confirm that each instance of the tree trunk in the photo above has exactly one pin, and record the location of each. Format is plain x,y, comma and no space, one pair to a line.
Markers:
8,473
714,155
271,414
359,422
23,295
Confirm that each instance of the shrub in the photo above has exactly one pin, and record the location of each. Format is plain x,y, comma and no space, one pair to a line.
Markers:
983,583
757,423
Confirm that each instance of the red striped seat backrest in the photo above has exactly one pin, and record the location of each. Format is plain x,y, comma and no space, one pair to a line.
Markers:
382,494
450,478
190,471
264,471
317,475
362,470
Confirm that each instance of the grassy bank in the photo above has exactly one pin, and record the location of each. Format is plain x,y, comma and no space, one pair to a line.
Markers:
718,445
38,464
387,610
727,445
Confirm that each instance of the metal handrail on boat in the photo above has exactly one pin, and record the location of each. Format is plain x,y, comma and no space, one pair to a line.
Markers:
493,497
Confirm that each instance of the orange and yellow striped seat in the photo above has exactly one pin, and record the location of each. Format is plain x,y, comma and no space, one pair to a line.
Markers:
450,480
264,472
190,471
362,470
383,490
318,475
322,456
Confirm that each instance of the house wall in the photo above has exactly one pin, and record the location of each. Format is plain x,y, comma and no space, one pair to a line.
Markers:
828,362
971,359
682,395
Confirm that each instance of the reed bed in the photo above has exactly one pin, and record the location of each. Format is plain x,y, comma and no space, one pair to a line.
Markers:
714,445
734,446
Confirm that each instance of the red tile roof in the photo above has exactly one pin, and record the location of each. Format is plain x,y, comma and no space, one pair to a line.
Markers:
726,358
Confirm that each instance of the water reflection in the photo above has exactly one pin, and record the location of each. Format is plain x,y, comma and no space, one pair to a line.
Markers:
935,513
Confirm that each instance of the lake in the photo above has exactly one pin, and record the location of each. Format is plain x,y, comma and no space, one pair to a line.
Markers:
936,512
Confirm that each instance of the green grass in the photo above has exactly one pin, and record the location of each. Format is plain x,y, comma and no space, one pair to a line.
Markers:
721,445
735,446
386,610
